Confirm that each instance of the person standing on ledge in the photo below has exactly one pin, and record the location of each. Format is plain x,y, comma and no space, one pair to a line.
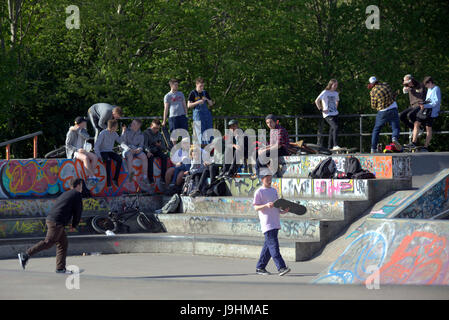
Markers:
270,223
68,206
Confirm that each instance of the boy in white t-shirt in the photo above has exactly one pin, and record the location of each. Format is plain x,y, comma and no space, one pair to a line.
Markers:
327,103
270,223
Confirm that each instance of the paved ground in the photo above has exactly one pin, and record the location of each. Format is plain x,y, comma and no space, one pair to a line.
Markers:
175,277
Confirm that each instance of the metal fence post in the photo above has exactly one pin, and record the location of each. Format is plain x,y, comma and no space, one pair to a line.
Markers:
361,133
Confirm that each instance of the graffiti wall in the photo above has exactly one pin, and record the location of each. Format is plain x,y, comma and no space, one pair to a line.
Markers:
316,209
49,177
290,229
312,188
30,208
384,167
392,251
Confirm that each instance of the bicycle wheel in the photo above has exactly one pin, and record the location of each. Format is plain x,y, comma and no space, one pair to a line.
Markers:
57,153
101,224
151,224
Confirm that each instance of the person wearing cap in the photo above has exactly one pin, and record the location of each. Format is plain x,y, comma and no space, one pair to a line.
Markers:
428,112
100,114
200,101
327,103
279,141
417,94
382,100
270,224
75,144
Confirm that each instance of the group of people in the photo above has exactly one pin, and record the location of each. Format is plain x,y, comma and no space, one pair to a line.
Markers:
425,102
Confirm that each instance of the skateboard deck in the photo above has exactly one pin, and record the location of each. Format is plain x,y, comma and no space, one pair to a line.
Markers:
414,149
294,207
166,137
344,150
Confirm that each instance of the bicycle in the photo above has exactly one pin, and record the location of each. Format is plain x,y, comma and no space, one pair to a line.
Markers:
116,221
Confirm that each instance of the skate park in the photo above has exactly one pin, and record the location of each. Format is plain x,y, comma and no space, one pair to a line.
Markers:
395,225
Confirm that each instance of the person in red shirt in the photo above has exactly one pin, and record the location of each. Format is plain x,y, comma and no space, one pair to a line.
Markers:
279,141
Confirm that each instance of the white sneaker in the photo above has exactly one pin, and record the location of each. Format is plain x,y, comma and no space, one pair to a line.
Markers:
335,148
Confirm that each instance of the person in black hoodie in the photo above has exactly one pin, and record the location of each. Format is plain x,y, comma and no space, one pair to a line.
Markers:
68,207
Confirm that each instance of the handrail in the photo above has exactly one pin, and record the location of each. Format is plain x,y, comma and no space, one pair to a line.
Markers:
297,135
28,136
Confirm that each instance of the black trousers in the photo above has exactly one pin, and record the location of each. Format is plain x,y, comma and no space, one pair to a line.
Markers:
211,171
333,131
107,158
157,154
408,116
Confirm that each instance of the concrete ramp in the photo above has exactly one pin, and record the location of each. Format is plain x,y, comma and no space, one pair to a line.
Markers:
394,251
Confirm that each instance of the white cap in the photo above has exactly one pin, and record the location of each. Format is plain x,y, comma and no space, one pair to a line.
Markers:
372,79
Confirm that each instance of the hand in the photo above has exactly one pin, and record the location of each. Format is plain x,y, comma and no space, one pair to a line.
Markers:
158,143
149,154
163,123
269,205
236,146
421,106
72,128
123,128
285,210
186,173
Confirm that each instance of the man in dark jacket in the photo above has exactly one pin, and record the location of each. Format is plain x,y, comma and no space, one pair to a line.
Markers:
68,206
155,149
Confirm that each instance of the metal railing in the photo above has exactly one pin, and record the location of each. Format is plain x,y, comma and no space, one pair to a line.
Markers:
297,119
28,136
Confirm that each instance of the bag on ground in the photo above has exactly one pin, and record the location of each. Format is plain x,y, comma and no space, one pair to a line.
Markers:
352,166
326,169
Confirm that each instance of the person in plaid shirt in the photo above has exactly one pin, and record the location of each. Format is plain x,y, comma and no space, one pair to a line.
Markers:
382,99
279,141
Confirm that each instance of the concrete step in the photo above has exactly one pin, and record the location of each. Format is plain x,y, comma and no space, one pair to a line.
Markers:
323,210
28,208
384,167
330,189
238,247
297,230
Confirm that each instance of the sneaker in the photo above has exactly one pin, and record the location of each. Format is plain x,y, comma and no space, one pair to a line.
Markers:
23,259
150,180
284,271
410,145
195,193
262,272
115,183
64,271
373,151
335,148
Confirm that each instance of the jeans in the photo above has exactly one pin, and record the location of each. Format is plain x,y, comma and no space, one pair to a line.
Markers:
333,131
183,167
270,249
107,158
202,120
55,235
178,122
389,116
158,154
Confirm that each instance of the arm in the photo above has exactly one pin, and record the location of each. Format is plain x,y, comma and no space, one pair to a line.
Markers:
69,141
184,105
123,141
77,210
103,121
373,100
166,108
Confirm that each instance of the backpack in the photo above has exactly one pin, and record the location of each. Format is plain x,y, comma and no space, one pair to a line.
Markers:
172,205
217,188
324,170
352,166
364,174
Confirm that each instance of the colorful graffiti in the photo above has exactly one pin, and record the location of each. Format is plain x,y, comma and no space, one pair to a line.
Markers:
384,167
44,178
316,209
394,252
10,228
312,188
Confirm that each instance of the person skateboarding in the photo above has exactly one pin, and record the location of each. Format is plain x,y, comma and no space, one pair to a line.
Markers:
68,206
270,223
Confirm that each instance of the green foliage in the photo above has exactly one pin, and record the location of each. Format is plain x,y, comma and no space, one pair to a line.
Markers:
257,57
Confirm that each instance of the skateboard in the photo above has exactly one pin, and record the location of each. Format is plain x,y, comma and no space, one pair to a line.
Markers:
344,150
294,207
415,149
310,148
166,137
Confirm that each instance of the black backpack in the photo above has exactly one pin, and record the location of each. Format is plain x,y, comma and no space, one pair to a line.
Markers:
217,189
352,166
324,170
364,174
189,185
